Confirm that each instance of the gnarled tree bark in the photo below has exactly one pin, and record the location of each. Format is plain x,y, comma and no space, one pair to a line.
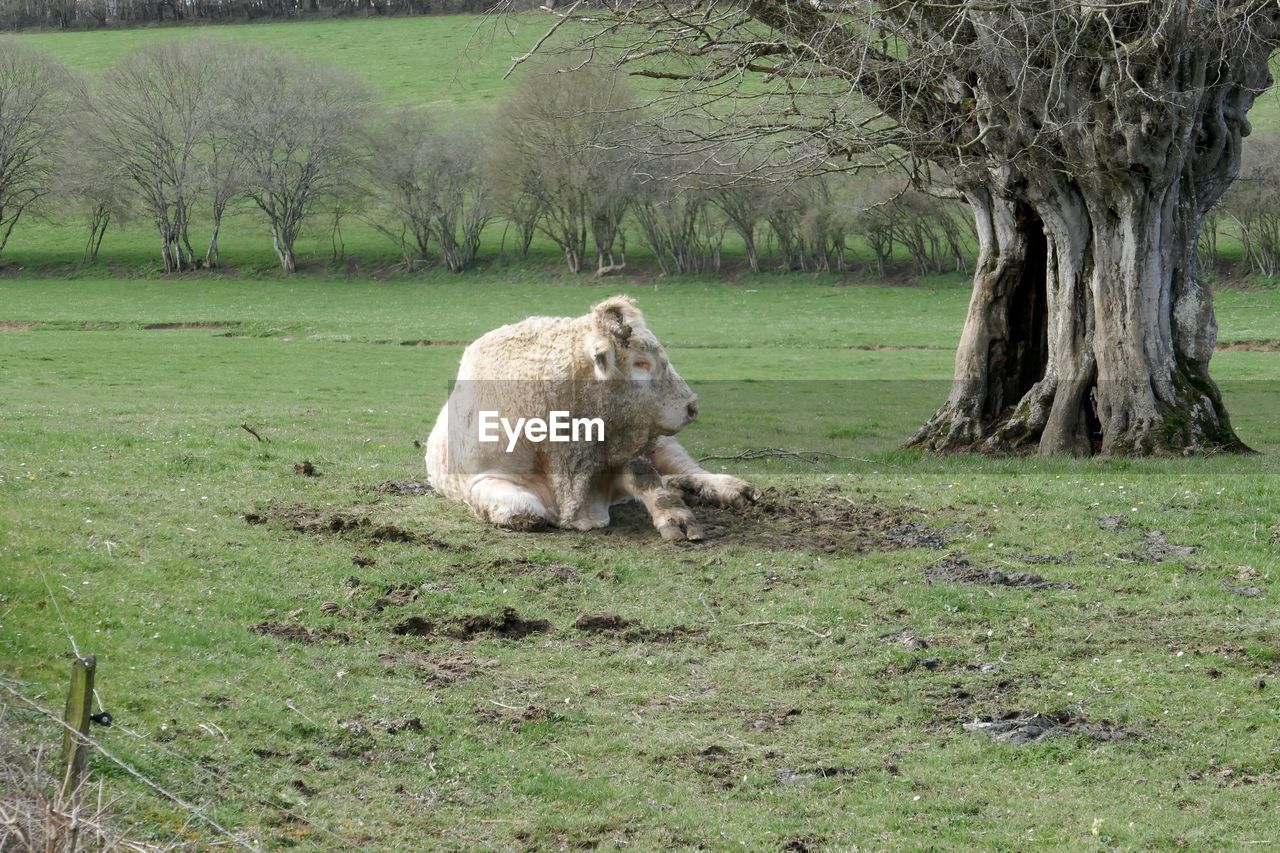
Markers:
1090,137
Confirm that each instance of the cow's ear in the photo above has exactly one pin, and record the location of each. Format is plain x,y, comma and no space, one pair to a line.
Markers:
617,318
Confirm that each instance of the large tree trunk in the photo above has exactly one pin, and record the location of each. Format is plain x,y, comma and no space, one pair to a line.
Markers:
1087,330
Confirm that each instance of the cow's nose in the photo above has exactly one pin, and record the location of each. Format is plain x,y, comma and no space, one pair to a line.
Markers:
693,408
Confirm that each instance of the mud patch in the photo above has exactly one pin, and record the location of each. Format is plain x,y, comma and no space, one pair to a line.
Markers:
424,342
1234,777
1157,549
516,718
1113,523
438,670
789,776
508,626
301,519
1263,345
627,630
720,765
907,639
411,488
524,566
1019,727
296,633
396,596
165,327
957,569
414,626
786,519
913,535
15,326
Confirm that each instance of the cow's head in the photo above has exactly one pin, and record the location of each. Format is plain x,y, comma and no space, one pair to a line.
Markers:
621,347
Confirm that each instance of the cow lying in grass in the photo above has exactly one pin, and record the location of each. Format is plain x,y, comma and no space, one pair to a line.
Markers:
547,376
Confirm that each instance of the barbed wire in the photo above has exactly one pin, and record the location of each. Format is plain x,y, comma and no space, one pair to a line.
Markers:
115,724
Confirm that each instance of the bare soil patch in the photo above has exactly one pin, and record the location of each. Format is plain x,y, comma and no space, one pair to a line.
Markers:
414,626
1020,727
524,566
515,718
187,326
1156,549
508,625
1265,345
425,342
297,633
786,519
628,630
15,326
302,519
723,767
441,670
957,569
792,776
413,488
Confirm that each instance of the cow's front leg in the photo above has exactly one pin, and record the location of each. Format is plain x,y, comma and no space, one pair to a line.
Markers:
681,471
579,501
665,504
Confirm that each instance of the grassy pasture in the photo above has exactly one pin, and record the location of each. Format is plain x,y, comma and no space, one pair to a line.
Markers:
125,481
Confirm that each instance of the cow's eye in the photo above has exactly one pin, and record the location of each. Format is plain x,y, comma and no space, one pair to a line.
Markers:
644,364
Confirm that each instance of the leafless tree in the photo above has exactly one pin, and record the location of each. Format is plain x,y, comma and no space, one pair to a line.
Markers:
740,189
152,118
673,208
87,182
429,184
1089,137
1253,207
295,132
563,147
33,104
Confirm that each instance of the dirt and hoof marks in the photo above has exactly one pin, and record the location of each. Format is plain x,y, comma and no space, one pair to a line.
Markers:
627,630
508,625
1019,727
790,776
1156,549
786,519
524,566
299,633
957,569
516,718
316,522
412,488
438,670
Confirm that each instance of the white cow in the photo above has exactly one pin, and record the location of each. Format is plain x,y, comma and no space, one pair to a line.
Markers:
605,370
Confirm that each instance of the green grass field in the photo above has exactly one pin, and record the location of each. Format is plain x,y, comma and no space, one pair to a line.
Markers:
712,720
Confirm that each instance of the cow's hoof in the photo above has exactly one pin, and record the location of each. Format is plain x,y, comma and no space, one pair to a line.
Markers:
677,532
524,522
730,492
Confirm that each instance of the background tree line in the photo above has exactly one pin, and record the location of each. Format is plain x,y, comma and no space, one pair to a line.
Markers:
177,135
90,14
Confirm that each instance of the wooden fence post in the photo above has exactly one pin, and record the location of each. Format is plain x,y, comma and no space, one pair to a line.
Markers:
75,747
